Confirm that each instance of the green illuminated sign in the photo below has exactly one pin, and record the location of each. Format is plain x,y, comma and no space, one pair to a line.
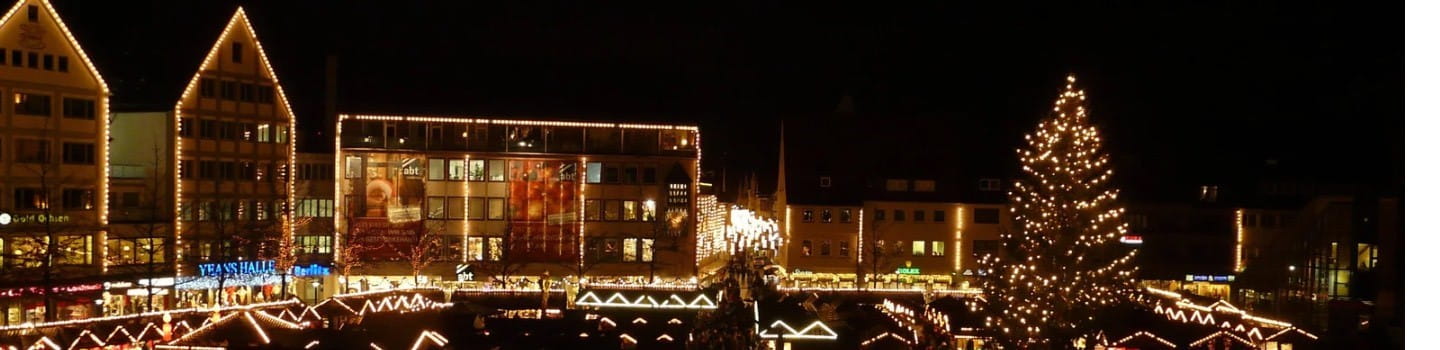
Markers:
908,271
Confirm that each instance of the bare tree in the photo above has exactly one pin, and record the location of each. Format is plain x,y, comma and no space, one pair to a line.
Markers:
883,257
501,263
424,250
49,240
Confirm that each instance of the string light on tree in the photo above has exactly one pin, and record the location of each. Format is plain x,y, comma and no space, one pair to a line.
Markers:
1066,260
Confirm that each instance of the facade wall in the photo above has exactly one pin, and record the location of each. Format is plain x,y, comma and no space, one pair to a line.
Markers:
821,245
518,200
52,154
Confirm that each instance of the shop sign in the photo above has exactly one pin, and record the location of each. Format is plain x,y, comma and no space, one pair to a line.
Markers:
1132,239
1210,278
40,290
312,270
253,267
7,218
908,271
118,285
464,273
140,292
157,282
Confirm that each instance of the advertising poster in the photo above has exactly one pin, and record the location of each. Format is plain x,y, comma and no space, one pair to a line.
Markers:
393,190
544,222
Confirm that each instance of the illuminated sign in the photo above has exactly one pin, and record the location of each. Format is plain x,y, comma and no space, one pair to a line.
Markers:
254,267
1132,239
908,271
37,290
7,218
312,270
464,273
1210,278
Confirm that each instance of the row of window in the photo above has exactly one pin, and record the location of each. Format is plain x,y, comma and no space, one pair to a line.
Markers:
619,210
39,105
71,199
228,210
826,216
313,245
513,138
222,130
610,173
979,215
622,249
315,171
807,249
30,252
39,152
231,170
131,251
36,60
454,208
237,91
912,248
1266,220
457,169
315,208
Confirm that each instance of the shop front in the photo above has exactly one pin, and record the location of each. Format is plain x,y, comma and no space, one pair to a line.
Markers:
72,301
247,282
125,297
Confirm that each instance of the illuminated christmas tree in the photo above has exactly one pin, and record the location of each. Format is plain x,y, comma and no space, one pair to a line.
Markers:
1065,263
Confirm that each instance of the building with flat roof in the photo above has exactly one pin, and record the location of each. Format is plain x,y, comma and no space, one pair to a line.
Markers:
476,199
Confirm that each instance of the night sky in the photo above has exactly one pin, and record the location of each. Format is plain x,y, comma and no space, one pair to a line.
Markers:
1182,91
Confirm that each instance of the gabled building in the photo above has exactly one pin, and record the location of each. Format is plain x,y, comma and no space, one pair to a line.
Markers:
218,141
52,168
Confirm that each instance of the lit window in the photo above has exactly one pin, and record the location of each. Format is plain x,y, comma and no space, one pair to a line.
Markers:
264,132
352,167
630,249
436,207
844,248
593,171
844,215
32,104
495,248
497,170
647,250
805,247
825,216
937,248
807,215
495,209
457,170
647,210
917,248
592,209
477,170
631,210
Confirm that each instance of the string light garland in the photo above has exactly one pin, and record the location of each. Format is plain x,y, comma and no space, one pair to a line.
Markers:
1066,260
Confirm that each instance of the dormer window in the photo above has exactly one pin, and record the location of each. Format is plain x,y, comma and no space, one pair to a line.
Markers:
991,185
32,13
1209,193
236,51
825,182
897,185
924,185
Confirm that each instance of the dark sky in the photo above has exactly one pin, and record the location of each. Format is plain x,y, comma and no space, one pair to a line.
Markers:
1183,91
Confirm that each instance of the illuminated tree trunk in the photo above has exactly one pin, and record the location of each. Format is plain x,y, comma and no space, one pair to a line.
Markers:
1064,261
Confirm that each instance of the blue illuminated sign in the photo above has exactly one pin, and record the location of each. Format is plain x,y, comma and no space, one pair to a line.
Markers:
253,267
312,270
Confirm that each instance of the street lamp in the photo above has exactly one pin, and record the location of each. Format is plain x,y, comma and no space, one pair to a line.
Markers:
316,284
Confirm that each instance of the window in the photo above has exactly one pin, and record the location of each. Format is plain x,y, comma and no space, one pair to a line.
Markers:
31,199
612,174
32,151
844,248
457,170
807,215
34,60
247,92
1369,256
477,170
227,90
313,244
265,94
825,248
592,209
632,174
899,215
937,248
78,108
647,249
16,58
63,64
49,62
79,199
879,214
1248,220
315,208
2,56
825,215
207,87
986,215
497,169
78,153
32,13
495,248
991,185
455,207
805,248
919,215
436,170
236,52
128,251
844,215
207,129
917,248
924,185
495,210
982,247
32,104
187,169
353,167
592,172
939,216
612,210
263,131
897,185
647,210
647,175
631,248
825,181
476,207
435,207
